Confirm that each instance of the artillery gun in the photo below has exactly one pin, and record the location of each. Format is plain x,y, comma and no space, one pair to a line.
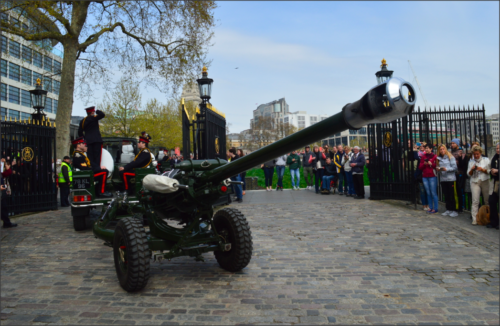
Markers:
186,195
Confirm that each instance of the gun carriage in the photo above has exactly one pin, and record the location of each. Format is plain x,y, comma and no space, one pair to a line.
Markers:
186,196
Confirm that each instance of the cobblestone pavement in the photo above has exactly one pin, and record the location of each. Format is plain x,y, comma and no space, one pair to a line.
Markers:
337,261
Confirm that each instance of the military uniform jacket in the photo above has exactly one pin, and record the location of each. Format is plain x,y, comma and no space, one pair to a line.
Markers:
142,160
89,128
81,161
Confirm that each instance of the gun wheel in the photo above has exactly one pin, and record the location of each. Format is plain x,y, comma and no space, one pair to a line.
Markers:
232,225
131,254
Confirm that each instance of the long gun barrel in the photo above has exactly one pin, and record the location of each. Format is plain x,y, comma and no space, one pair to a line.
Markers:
383,103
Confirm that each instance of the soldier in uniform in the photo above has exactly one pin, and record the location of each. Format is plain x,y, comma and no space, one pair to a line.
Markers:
142,160
89,129
82,162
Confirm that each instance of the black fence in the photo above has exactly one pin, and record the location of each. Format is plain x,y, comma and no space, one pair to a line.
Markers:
30,148
392,168
206,134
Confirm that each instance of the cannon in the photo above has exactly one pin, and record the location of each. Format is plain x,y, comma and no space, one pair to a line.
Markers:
185,197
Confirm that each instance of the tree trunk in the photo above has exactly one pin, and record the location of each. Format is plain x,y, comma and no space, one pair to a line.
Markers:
65,105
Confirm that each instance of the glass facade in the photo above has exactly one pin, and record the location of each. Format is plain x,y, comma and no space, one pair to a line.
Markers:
37,59
14,114
57,67
25,98
13,94
27,54
3,96
47,63
48,105
26,76
4,113
54,106
4,44
55,87
14,49
35,77
47,84
14,72
25,116
4,68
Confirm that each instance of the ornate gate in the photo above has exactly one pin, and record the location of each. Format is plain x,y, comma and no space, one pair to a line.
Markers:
392,166
30,147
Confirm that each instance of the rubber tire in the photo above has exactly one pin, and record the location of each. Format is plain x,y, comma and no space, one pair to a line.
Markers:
130,233
238,234
79,223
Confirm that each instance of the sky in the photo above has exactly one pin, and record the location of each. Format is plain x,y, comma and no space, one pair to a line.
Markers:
323,55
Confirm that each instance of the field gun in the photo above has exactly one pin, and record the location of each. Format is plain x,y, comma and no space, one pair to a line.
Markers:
186,195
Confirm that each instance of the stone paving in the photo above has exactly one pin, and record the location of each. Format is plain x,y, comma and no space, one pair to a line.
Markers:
322,260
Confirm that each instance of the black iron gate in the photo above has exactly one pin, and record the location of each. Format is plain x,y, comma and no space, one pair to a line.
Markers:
392,166
207,133
30,148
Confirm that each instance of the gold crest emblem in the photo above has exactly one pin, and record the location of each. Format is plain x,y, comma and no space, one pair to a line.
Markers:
387,139
28,154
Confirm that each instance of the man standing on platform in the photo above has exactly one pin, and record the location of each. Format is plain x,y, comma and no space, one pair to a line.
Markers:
65,177
89,129
142,160
82,163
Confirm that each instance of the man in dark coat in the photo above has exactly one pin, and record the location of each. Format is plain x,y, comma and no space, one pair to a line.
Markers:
82,162
89,129
142,160
173,161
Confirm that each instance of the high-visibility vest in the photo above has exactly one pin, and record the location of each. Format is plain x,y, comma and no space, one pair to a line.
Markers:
70,173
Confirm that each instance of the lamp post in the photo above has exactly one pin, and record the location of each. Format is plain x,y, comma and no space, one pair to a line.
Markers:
384,74
205,87
38,98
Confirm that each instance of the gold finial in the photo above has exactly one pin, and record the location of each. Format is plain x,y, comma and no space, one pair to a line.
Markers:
37,123
204,69
38,82
54,124
384,63
15,120
10,118
43,118
182,100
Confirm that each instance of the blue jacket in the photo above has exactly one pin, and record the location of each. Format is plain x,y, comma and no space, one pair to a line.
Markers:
360,162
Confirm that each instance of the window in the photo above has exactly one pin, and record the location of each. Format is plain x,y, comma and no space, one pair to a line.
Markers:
14,49
35,77
323,118
4,113
4,44
3,97
14,22
25,116
313,119
337,134
57,67
362,131
302,124
13,114
344,140
55,87
27,54
48,105
26,76
14,72
4,68
13,94
353,132
286,119
47,63
25,98
37,59
301,118
4,17
47,84
54,106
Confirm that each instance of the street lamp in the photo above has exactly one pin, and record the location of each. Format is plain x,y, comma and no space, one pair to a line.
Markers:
205,86
384,74
38,98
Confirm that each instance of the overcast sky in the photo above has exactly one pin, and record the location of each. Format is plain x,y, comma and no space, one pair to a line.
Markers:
323,55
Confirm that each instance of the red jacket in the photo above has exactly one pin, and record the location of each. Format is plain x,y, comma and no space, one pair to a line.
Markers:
428,171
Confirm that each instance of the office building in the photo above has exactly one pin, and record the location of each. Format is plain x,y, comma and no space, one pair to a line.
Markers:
22,63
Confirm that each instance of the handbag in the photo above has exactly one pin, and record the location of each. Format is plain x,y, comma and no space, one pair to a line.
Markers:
318,165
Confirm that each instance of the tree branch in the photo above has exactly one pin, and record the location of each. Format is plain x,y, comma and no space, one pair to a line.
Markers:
31,37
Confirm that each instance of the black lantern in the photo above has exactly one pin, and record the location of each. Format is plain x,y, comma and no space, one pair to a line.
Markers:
38,98
205,86
384,74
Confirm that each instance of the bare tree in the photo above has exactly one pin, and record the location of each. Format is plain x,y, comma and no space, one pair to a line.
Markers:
162,42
